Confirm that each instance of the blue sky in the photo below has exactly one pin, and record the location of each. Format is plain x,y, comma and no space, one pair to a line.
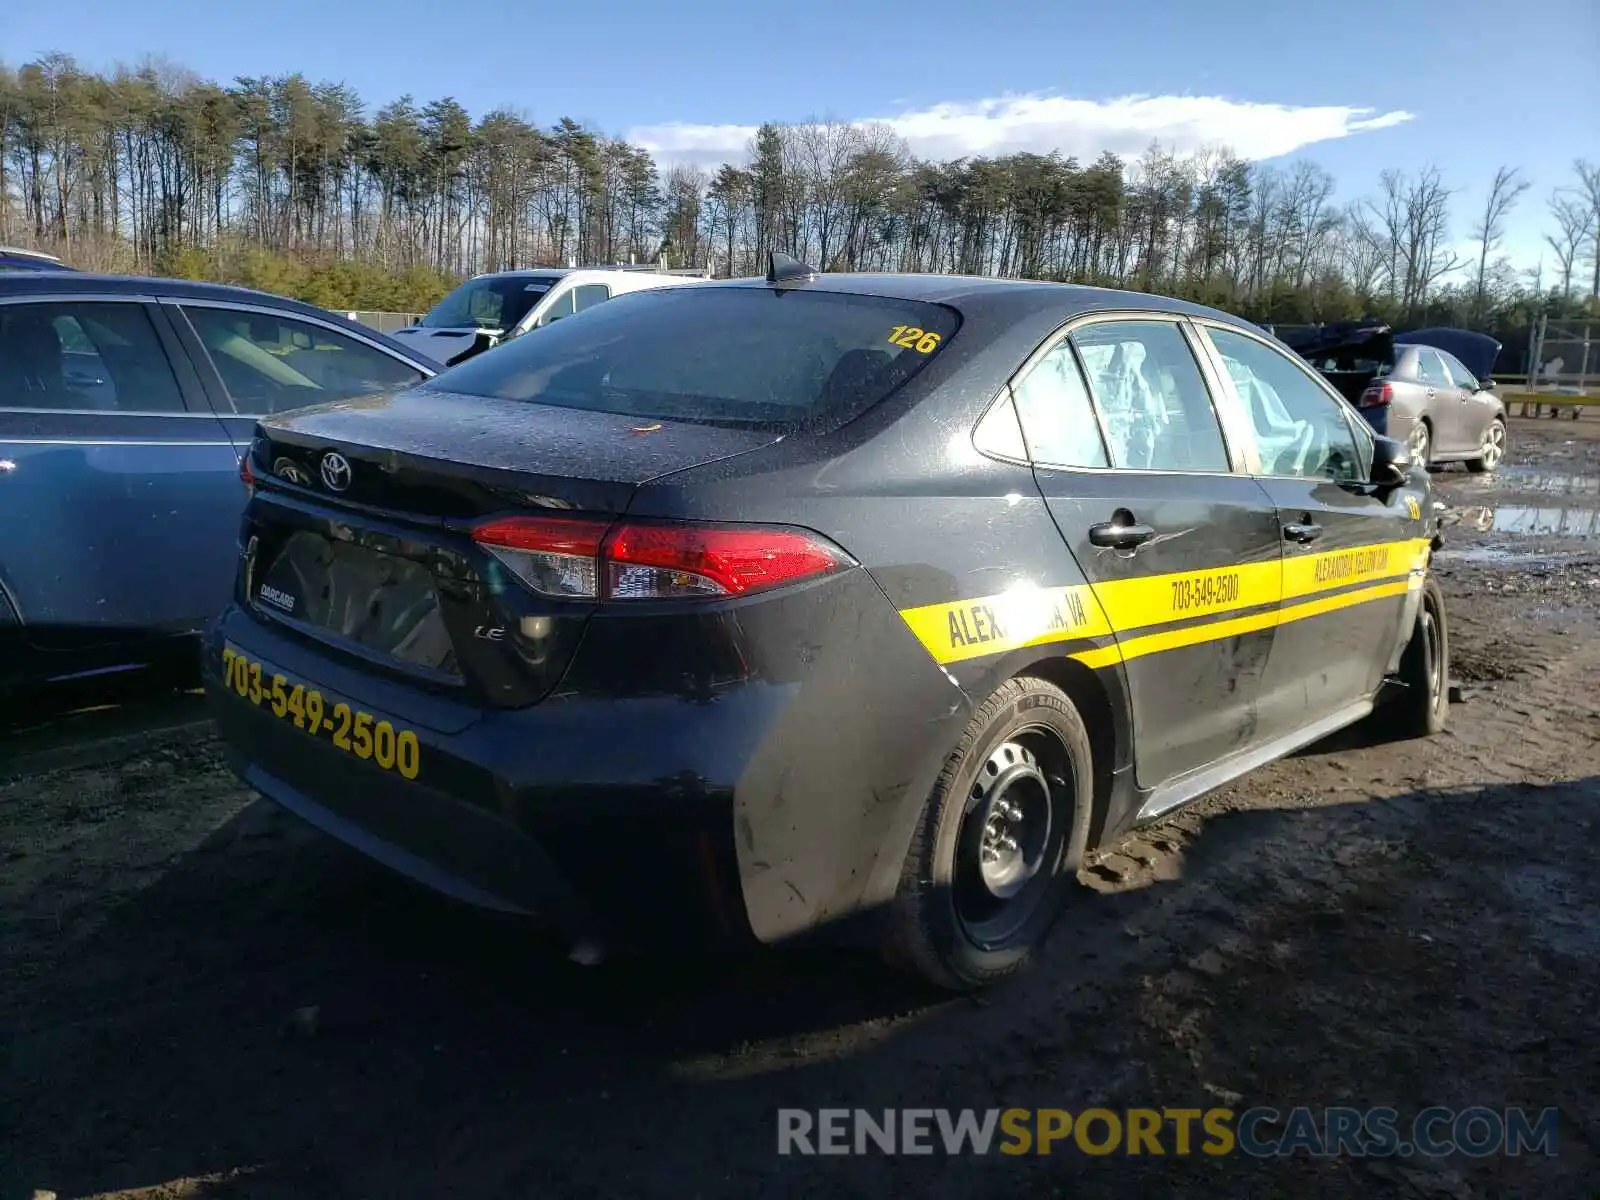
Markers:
1357,86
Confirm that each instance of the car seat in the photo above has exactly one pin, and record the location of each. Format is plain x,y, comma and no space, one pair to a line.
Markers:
31,364
1286,443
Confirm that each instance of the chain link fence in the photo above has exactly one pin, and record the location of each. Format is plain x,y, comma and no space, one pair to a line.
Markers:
384,322
1566,356
1563,369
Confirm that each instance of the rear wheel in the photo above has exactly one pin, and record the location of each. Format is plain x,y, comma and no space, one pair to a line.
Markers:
1420,443
997,851
1422,709
1491,448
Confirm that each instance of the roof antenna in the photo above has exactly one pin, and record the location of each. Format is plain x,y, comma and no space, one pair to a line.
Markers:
786,272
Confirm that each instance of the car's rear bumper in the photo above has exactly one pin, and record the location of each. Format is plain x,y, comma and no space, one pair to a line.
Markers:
562,811
762,809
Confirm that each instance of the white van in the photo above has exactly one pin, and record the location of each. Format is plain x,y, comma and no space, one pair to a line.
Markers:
489,309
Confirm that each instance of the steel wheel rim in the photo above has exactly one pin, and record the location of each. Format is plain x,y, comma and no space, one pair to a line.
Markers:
1419,443
1494,444
1435,660
1010,832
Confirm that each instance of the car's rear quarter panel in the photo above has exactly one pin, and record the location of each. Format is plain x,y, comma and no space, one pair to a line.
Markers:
826,808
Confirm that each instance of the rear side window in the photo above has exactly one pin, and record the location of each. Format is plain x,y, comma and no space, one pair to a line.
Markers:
93,356
1056,413
271,363
1157,410
746,356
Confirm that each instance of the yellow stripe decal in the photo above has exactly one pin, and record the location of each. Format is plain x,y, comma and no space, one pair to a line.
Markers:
1026,616
1035,616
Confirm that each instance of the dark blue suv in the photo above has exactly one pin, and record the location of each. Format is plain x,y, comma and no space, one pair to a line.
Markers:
13,258
125,404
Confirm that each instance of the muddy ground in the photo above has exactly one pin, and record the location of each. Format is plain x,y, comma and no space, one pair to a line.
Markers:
199,997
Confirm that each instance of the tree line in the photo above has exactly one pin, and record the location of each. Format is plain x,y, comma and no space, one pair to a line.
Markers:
289,184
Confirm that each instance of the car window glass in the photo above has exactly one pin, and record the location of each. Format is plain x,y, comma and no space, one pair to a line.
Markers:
1430,369
488,302
779,358
270,363
1056,414
1458,374
1157,411
999,434
561,306
590,294
95,356
1300,429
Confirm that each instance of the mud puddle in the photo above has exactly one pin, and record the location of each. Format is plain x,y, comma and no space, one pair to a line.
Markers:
1533,520
1533,479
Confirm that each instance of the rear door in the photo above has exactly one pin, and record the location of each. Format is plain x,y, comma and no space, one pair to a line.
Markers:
111,466
1179,544
1347,550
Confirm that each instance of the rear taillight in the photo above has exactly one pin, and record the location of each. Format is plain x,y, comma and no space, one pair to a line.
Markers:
554,556
1379,395
247,475
584,559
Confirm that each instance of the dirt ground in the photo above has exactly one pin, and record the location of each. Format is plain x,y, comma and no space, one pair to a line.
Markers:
200,997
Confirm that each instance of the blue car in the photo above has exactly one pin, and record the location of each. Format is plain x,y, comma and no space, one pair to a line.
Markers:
13,258
125,405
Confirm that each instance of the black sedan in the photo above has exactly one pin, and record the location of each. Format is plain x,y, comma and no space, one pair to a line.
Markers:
845,606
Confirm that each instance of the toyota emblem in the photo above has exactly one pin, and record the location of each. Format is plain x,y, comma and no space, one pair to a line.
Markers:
335,471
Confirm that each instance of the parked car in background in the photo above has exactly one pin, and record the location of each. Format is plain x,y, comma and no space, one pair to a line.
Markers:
489,309
1430,388
125,404
14,258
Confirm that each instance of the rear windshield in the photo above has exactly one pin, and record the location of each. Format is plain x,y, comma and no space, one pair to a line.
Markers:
493,302
744,356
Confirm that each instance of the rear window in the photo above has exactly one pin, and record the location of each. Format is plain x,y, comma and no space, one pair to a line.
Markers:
744,356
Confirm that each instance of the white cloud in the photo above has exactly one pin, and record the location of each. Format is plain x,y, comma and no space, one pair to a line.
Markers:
1041,123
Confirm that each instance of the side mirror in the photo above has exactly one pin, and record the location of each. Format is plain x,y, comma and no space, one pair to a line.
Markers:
1391,462
1486,385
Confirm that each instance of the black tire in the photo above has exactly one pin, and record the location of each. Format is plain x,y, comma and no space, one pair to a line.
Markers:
1025,750
1481,464
1425,459
1423,706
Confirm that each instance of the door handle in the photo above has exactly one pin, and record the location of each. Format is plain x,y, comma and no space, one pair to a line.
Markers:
1302,531
1120,535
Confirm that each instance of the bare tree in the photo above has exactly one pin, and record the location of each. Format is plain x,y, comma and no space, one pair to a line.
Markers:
1414,217
1366,252
1504,193
1572,229
1589,193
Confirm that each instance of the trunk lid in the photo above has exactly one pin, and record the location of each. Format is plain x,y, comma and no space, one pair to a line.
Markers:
1348,354
359,534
